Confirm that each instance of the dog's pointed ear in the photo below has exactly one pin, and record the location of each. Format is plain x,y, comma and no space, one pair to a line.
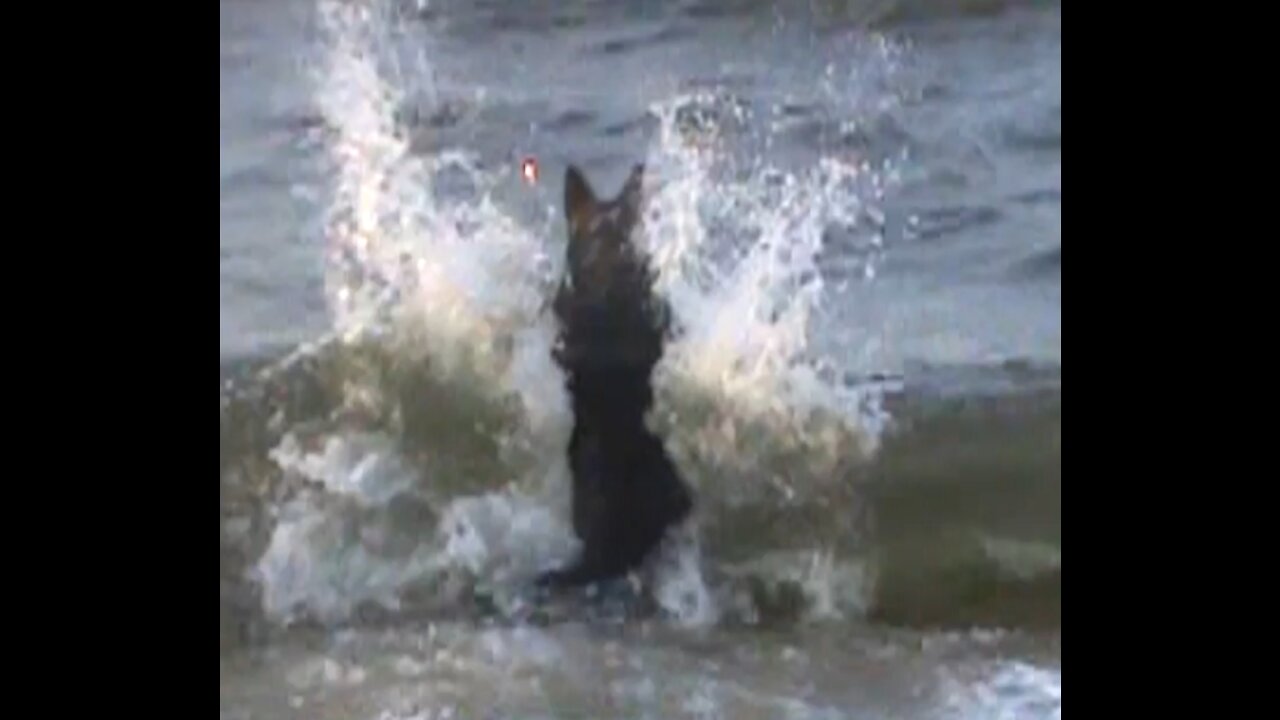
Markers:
579,199
633,189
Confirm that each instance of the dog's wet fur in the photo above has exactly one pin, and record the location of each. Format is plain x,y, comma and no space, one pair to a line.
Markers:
627,492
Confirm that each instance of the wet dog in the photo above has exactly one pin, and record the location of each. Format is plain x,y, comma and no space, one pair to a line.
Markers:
626,491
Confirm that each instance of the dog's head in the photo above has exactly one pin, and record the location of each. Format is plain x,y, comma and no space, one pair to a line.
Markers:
606,298
600,231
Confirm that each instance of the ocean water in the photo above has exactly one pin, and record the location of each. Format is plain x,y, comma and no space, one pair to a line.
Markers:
855,211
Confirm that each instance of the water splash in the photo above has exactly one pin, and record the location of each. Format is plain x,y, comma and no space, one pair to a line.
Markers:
427,265
737,250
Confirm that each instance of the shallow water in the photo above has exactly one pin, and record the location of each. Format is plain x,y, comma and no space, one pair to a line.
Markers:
646,671
855,212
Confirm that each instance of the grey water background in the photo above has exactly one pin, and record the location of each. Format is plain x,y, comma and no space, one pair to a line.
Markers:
964,309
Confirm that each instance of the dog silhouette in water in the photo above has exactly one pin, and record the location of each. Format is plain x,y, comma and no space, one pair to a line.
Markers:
626,490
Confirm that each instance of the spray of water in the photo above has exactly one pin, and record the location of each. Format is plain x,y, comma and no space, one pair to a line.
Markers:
426,263
743,392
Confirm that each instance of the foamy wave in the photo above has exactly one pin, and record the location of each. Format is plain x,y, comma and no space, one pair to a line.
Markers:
328,557
1014,691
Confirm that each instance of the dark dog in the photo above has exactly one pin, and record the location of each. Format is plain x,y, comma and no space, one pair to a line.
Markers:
626,490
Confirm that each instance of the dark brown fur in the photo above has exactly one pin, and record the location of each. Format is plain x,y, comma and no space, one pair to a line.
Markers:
626,490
